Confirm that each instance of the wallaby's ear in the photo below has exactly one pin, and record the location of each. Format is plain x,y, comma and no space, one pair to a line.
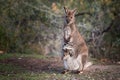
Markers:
66,9
74,11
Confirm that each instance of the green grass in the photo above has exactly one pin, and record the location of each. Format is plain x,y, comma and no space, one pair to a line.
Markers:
13,72
43,76
52,76
6,56
26,76
10,55
9,71
10,68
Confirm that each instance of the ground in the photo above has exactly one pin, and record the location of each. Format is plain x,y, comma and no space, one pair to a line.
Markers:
37,67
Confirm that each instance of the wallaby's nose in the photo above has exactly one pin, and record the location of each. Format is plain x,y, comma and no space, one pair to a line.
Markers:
67,21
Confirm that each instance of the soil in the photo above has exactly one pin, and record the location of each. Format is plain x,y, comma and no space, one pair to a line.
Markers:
55,65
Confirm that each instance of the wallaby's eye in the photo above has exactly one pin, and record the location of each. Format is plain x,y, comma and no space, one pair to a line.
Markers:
71,17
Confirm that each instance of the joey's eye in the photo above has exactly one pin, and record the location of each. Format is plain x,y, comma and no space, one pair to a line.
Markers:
71,17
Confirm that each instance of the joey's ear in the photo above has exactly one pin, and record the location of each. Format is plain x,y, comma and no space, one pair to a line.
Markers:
74,11
66,9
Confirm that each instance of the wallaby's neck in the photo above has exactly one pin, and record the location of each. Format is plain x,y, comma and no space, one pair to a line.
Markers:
73,26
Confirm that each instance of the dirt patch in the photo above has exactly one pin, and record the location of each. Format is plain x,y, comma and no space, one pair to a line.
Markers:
36,65
54,64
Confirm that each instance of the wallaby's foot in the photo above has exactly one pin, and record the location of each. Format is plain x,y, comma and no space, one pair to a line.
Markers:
79,72
65,71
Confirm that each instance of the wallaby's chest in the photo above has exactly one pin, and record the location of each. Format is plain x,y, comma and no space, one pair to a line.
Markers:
67,32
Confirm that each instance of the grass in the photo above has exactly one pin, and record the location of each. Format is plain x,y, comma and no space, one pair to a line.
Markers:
43,76
10,55
13,72
10,68
9,71
30,76
6,56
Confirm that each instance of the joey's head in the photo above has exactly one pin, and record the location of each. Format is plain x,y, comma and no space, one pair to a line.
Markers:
69,15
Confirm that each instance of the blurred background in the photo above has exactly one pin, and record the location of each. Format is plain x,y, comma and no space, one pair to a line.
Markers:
35,26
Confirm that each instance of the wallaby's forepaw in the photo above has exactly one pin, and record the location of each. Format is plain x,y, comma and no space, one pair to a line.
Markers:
65,72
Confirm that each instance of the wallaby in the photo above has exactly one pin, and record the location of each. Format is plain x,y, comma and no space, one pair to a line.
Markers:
79,45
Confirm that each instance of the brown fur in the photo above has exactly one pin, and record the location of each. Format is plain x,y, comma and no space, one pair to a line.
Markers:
78,42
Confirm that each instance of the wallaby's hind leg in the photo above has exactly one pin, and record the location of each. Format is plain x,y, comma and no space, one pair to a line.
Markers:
80,64
83,60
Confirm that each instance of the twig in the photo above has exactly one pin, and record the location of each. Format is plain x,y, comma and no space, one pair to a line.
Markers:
83,13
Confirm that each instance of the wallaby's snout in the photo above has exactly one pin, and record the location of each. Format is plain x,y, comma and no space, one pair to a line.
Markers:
67,20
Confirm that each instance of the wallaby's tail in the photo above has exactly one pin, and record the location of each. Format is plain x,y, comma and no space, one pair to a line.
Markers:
87,65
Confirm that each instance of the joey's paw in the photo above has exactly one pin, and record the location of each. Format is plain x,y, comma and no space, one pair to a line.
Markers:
65,72
79,72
